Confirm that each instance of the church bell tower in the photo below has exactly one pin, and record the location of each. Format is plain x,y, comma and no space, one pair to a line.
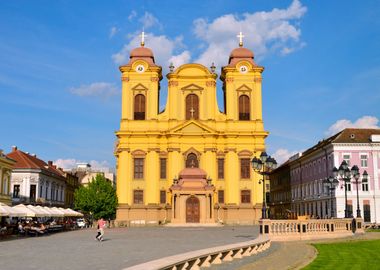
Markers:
242,86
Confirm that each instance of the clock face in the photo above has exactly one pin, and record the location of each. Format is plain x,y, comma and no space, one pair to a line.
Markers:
140,68
243,69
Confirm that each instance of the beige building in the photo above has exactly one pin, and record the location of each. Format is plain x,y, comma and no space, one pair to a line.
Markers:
86,173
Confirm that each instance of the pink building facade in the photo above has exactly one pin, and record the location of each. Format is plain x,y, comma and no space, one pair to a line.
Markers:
308,170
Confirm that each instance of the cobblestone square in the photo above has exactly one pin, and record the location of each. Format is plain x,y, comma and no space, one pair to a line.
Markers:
121,248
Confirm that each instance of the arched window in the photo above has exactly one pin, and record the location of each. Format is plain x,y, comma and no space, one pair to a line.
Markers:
192,107
192,161
139,112
244,107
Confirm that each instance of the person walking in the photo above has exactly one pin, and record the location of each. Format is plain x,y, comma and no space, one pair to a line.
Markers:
101,226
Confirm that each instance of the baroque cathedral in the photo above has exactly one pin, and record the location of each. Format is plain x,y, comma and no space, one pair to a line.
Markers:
189,163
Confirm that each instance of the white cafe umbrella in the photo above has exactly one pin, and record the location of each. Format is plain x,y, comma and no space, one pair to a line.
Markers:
58,211
65,212
53,213
4,211
28,212
39,212
12,212
75,213
15,212
45,211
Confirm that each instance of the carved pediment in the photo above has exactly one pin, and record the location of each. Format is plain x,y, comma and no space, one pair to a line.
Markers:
140,87
192,127
243,88
192,87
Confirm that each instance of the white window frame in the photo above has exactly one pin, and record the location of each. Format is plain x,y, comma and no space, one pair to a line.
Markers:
361,160
367,184
349,159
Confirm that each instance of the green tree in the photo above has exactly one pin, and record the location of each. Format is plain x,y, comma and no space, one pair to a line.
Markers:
97,199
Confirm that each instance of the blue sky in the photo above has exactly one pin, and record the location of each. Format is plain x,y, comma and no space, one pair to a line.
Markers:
60,83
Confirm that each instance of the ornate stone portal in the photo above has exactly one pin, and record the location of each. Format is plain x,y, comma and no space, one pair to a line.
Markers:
192,197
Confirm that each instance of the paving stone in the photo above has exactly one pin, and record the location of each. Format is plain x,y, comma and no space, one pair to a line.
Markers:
121,247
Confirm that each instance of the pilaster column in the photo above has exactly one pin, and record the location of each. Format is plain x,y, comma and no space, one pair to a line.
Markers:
152,177
175,164
209,163
123,188
257,99
232,176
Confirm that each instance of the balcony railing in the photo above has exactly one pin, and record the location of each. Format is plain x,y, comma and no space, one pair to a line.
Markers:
288,230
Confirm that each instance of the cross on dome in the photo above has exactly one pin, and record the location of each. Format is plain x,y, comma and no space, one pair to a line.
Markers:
240,36
143,36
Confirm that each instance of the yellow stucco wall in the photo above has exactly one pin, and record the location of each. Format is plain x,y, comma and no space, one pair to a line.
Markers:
171,136
6,166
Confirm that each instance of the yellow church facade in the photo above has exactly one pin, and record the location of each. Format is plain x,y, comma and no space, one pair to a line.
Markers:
189,163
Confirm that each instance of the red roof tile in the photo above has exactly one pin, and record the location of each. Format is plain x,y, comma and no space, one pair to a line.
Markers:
27,161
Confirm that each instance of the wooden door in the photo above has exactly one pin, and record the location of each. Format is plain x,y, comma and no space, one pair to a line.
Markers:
192,210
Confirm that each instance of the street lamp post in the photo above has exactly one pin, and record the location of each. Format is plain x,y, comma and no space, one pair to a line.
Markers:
263,166
345,174
357,182
331,183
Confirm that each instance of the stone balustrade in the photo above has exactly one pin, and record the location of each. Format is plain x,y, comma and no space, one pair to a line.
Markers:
206,257
290,230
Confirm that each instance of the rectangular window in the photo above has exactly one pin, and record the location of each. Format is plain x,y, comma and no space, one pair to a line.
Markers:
367,212
365,186
138,196
346,157
349,208
363,161
245,196
162,196
138,168
40,191
46,192
220,196
163,168
220,168
16,191
32,193
348,185
245,168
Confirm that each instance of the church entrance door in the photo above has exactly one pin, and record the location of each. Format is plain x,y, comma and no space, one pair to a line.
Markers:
192,210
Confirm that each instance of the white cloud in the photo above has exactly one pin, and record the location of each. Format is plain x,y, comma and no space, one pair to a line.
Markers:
363,122
71,163
180,59
132,15
282,155
113,31
99,165
265,32
66,164
99,89
165,50
148,21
